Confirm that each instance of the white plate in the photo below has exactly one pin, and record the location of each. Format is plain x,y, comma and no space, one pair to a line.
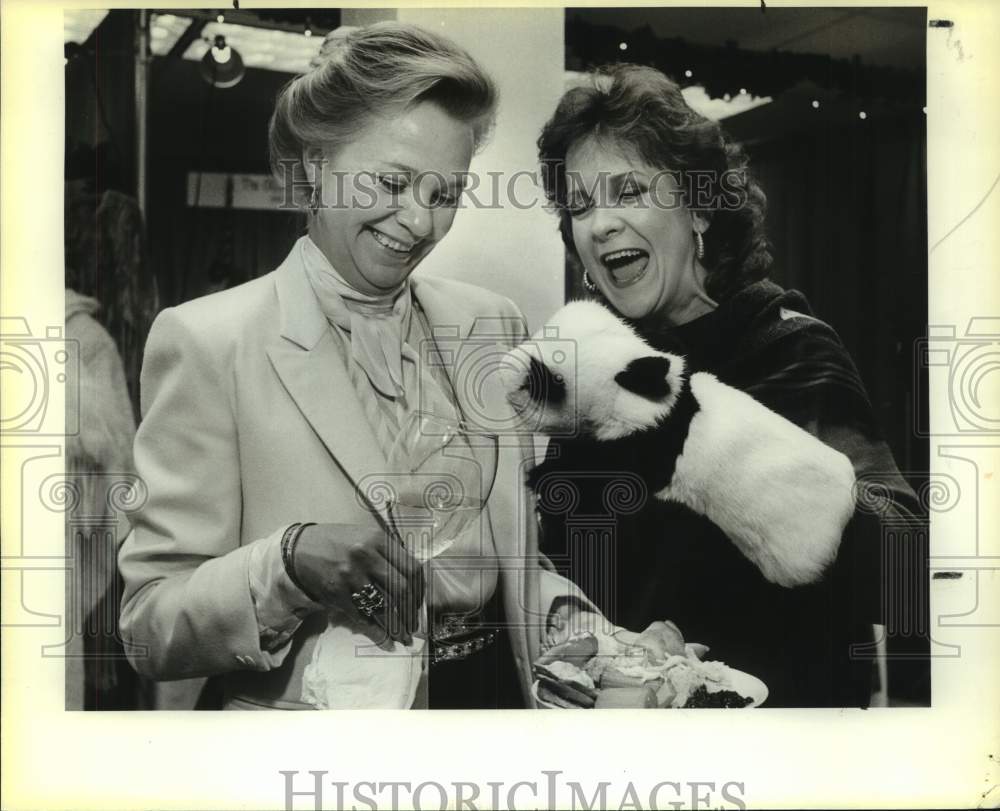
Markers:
740,682
747,685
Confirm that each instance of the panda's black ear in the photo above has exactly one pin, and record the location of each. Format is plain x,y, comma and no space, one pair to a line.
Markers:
646,377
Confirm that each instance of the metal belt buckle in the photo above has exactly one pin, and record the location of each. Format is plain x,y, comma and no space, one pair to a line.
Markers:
455,651
456,626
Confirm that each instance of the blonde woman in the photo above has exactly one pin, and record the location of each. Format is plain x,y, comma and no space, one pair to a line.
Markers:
257,557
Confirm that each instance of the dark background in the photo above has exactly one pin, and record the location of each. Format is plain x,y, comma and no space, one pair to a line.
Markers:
195,126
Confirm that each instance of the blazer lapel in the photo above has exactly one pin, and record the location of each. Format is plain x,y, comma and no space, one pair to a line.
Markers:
306,358
471,349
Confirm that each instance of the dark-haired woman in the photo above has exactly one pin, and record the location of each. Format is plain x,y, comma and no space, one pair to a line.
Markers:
657,206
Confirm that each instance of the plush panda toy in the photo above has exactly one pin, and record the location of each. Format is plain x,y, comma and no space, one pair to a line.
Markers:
781,495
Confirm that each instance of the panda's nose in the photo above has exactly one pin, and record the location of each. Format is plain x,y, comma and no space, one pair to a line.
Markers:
543,385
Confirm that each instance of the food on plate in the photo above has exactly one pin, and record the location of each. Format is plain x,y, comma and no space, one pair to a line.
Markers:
653,669
567,673
615,677
567,695
701,697
638,698
693,674
566,681
578,648
547,692
666,694
662,639
595,667
697,649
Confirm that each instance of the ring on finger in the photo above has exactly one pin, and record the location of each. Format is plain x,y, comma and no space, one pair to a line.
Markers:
368,600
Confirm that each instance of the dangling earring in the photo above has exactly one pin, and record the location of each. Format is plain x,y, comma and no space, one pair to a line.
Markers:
314,200
700,292
588,284
699,246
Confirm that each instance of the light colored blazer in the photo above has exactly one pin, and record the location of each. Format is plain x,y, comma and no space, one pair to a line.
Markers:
250,423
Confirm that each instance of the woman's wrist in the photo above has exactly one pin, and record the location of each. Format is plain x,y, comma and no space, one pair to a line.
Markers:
289,541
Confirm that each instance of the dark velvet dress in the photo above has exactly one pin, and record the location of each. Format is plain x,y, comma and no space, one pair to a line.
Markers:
640,562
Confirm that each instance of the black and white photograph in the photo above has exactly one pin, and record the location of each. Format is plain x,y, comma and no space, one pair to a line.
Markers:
501,363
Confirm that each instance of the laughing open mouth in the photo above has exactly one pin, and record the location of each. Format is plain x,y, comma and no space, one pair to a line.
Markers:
625,266
391,244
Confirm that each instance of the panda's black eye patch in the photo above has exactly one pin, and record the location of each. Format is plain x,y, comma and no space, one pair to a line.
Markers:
543,385
646,377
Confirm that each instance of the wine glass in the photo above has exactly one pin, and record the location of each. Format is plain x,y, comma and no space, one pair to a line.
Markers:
442,475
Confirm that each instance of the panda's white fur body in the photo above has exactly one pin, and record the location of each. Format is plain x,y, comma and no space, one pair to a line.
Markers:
781,495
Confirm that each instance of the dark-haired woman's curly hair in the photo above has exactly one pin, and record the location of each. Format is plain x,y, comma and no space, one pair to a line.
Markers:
640,108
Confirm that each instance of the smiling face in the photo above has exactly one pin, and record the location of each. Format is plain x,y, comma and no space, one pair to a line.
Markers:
633,233
390,195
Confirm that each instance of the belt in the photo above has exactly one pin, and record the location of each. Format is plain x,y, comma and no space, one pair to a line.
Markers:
456,651
458,637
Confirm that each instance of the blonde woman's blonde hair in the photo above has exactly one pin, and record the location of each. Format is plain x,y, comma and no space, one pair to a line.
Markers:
374,71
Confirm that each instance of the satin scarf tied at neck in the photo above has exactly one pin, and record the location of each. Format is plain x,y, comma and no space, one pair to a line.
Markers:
377,324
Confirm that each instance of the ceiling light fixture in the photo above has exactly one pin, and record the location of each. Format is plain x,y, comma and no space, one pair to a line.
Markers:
222,66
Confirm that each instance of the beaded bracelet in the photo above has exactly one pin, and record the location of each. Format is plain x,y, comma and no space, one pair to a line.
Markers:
288,543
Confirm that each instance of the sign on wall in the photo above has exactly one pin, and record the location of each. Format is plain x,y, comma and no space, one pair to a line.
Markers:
226,190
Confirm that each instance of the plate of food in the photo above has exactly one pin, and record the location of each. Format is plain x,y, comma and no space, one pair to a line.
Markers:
654,669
